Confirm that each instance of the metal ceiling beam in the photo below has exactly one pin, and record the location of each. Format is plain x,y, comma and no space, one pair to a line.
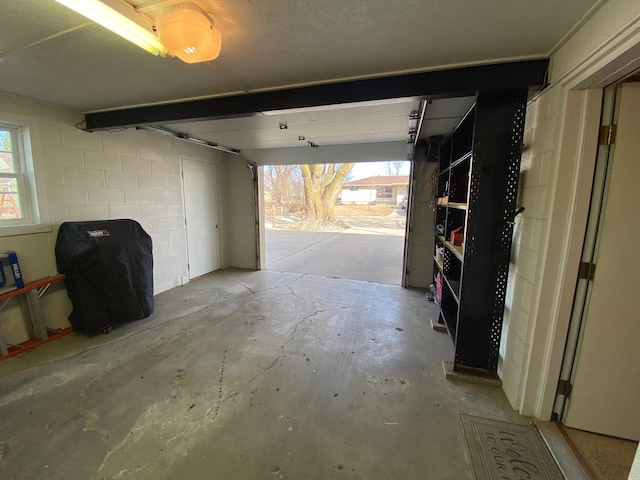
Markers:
434,84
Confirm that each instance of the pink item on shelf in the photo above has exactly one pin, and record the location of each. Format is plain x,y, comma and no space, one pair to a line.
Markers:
438,288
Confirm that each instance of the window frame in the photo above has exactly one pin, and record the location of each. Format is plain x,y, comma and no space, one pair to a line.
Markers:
35,218
19,174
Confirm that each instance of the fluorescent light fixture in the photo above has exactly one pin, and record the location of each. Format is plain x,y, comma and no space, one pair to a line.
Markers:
120,18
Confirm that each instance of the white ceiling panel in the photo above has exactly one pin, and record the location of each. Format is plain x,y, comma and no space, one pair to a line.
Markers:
24,22
51,54
269,44
73,81
331,39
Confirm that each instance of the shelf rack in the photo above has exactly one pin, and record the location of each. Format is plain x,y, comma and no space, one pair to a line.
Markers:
477,189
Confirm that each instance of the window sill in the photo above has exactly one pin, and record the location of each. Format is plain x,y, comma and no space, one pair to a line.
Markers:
15,230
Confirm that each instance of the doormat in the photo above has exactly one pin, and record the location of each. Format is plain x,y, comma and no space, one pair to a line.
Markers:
507,451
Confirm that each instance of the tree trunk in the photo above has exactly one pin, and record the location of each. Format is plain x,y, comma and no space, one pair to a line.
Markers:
322,185
312,177
332,192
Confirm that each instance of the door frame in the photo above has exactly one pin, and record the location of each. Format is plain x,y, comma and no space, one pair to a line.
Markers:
259,214
586,356
578,121
593,229
188,278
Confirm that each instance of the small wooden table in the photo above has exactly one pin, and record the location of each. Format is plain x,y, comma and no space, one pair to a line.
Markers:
30,294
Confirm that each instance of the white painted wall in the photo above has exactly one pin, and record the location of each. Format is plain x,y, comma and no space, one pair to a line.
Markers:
130,174
560,137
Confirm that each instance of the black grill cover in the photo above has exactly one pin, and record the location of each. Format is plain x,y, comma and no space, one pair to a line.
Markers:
108,267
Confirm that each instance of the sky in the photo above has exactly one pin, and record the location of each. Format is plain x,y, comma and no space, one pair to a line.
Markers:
369,169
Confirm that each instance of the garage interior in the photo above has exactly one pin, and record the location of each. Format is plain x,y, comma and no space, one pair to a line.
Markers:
246,373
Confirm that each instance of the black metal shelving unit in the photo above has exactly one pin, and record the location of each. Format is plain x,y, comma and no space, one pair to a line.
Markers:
477,189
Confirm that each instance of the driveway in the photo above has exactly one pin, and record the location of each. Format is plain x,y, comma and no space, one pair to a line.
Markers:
370,250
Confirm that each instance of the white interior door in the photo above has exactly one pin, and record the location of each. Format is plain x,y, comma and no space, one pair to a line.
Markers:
606,380
200,181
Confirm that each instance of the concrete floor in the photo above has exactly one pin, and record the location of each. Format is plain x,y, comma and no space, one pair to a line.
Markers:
247,375
371,249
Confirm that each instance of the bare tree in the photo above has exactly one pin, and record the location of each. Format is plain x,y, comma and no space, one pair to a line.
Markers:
285,183
322,186
394,168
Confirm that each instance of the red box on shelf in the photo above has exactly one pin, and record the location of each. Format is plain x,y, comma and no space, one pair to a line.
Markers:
457,237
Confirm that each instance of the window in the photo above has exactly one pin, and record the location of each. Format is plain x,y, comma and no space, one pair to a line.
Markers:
353,189
384,191
14,186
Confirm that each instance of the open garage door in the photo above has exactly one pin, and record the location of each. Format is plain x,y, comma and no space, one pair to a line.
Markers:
344,220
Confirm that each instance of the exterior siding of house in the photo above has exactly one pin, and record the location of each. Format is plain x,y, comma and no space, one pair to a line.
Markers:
388,190
399,192
365,195
362,195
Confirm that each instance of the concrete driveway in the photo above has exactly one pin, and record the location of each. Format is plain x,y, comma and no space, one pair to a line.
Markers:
370,250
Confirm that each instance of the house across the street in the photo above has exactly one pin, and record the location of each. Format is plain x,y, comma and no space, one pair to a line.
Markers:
377,189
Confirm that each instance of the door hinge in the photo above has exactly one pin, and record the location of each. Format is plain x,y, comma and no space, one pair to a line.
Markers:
608,134
564,388
586,271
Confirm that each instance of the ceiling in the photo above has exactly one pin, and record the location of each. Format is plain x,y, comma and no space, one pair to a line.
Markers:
51,54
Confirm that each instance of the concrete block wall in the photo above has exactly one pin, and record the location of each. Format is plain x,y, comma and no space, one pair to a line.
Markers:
111,175
537,173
